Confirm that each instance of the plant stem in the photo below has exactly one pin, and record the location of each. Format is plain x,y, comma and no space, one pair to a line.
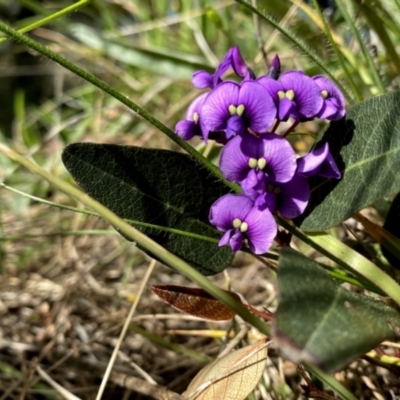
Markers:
51,17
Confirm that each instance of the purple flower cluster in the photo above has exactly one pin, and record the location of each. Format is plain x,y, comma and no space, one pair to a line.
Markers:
244,116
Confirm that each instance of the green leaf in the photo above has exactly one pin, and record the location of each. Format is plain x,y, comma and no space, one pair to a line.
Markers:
318,322
366,146
158,187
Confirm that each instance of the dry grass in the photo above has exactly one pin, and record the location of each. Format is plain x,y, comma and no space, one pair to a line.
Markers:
63,310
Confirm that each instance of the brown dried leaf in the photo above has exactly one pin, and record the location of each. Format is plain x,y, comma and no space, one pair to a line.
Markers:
195,301
231,377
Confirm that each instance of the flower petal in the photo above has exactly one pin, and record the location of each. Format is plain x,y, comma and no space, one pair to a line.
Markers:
262,230
234,164
215,110
202,80
234,127
273,86
307,94
227,208
238,64
334,104
286,109
187,129
226,237
195,106
309,164
236,241
294,196
260,109
280,157
275,67
318,162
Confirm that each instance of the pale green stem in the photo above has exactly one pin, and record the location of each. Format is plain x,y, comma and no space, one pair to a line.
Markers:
358,264
51,17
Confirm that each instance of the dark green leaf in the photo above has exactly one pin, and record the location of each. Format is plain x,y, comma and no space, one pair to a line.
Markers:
158,187
392,225
319,322
366,146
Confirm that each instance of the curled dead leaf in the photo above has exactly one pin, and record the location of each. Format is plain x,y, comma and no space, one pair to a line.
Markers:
231,377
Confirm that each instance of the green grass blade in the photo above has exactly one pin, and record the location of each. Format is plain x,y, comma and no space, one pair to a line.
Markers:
300,44
366,54
52,17
338,53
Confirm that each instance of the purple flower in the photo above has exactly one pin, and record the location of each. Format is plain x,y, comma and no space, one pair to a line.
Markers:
237,108
296,95
248,159
239,219
189,127
233,59
289,198
334,104
318,162
274,68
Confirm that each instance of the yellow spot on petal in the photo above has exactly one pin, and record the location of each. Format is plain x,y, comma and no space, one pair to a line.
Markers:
195,117
324,94
261,163
243,227
281,95
236,223
240,110
290,94
232,109
252,163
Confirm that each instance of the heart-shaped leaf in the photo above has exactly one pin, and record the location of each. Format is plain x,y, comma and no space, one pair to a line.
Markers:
231,377
366,146
158,187
319,322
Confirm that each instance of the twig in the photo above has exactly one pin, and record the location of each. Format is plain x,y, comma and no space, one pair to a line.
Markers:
124,330
143,387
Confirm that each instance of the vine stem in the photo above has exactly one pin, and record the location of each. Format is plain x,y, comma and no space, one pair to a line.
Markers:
87,76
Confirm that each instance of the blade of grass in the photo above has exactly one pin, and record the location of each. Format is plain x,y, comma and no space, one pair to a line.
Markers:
51,17
366,54
338,53
132,310
300,44
349,259
58,388
331,382
87,76
91,213
379,19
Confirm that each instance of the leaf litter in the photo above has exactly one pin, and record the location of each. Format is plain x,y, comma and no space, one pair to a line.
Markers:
63,301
